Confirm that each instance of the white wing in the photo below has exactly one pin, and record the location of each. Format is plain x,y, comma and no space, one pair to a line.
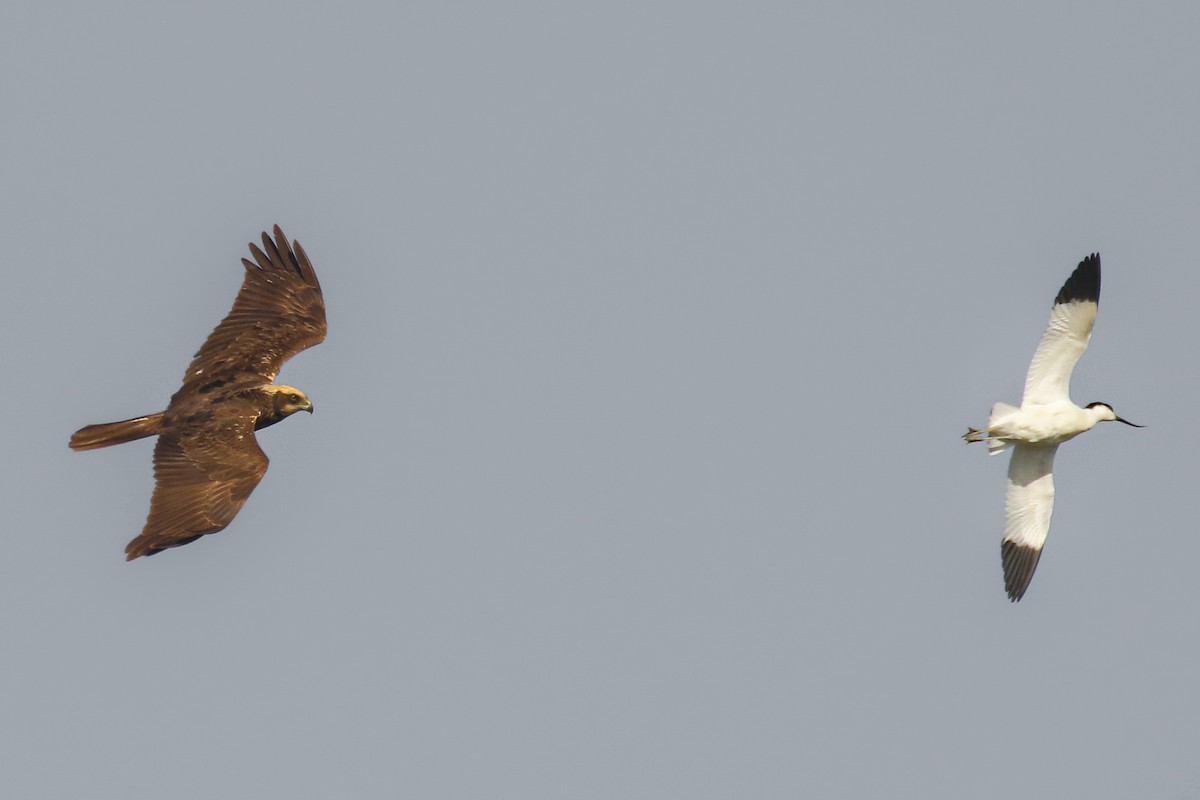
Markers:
1028,506
1066,336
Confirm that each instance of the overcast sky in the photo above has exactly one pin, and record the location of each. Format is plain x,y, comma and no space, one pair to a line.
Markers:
635,470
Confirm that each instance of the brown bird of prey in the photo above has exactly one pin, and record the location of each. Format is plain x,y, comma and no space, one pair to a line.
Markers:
206,461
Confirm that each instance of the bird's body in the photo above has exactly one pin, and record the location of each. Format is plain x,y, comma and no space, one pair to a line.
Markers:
1046,418
207,461
1048,425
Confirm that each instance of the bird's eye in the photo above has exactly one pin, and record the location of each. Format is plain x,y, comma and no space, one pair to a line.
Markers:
295,398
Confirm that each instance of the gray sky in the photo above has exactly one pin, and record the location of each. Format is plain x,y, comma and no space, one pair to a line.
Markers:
635,471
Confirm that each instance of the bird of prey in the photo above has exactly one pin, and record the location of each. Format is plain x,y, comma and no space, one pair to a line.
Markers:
1046,419
206,461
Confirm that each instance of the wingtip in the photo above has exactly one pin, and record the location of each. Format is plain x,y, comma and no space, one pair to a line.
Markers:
1084,284
279,253
1019,563
278,238
139,546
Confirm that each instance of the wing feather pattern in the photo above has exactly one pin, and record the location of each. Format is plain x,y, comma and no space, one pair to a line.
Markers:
279,311
1028,505
1066,336
203,476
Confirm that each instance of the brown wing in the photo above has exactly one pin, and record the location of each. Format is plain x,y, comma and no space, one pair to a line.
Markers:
278,312
203,476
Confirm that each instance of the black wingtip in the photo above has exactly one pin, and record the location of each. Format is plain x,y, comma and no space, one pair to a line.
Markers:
1019,563
1084,284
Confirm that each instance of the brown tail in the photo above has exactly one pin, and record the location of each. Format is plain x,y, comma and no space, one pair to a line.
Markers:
109,433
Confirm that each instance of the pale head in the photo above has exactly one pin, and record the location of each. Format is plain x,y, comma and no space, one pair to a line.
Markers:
288,400
1104,413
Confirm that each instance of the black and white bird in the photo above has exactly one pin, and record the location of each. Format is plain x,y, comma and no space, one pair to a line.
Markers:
1046,419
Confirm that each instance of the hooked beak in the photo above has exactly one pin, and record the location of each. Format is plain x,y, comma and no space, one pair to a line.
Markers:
309,409
1127,422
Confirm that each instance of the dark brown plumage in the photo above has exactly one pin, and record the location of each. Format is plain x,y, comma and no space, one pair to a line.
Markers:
207,462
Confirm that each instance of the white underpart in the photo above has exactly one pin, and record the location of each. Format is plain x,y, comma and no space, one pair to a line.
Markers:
1052,423
1029,501
1064,341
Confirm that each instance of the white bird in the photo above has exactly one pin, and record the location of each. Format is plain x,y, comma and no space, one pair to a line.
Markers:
1046,419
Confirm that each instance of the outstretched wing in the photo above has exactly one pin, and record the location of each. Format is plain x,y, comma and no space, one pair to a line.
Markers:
1028,504
1066,336
278,312
203,475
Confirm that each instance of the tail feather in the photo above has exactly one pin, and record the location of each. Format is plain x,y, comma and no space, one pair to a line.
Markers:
998,446
999,412
995,443
110,433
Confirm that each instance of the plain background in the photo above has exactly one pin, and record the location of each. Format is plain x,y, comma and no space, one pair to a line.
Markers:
635,470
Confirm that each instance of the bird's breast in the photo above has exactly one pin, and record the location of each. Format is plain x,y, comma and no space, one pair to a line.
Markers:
1047,424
